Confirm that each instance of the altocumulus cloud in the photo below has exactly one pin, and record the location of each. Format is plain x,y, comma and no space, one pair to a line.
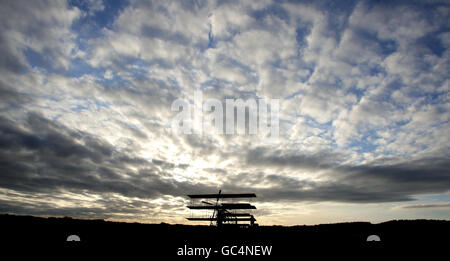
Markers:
86,89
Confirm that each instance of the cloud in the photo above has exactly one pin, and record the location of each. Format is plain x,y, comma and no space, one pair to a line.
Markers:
86,91
443,205
40,29
41,156
263,157
95,6
370,182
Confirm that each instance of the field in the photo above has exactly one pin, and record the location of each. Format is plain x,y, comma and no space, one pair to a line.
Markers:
402,236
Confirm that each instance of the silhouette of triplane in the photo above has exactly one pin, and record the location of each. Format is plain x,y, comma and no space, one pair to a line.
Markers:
224,213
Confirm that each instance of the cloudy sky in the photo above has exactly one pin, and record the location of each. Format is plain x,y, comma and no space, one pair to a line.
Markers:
86,89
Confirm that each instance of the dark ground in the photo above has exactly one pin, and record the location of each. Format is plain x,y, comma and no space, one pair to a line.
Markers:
403,237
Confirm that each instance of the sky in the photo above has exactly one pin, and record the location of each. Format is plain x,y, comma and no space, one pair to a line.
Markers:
86,89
